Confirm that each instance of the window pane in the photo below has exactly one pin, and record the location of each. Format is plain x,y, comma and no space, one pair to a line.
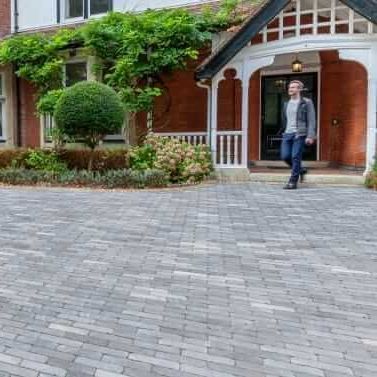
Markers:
99,6
342,14
75,72
361,27
307,5
74,8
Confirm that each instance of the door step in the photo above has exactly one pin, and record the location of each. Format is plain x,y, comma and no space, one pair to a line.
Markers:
311,178
283,165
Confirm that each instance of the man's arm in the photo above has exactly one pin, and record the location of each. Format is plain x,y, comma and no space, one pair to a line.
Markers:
312,121
283,116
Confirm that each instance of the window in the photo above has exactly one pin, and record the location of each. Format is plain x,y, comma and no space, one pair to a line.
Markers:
81,8
74,8
75,72
99,6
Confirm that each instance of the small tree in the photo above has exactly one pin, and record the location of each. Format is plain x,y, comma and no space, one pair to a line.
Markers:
88,111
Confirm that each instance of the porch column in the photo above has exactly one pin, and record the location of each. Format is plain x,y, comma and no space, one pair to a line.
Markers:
372,122
245,122
214,111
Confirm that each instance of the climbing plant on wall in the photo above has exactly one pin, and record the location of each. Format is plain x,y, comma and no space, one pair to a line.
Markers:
132,51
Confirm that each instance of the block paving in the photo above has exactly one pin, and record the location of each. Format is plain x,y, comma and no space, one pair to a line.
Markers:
227,280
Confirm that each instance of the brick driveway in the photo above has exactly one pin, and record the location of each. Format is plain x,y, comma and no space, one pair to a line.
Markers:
213,281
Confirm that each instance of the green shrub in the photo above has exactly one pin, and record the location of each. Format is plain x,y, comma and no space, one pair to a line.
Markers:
149,178
142,157
116,178
181,161
75,159
89,111
110,179
44,160
78,178
47,103
22,176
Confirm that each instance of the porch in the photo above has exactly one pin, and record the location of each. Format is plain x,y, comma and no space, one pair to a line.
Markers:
336,44
244,127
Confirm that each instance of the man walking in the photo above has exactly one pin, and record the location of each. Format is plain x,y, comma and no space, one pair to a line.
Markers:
299,123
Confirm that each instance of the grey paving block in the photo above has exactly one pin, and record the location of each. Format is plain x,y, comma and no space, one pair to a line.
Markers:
223,280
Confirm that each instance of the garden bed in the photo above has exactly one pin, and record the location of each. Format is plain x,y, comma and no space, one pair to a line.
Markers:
155,164
110,179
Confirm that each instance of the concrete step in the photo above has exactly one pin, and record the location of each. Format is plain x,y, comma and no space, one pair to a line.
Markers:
314,178
281,164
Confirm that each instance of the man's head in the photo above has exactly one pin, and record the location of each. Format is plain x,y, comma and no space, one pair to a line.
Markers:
295,88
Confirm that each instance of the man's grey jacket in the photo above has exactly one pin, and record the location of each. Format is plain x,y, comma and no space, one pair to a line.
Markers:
306,118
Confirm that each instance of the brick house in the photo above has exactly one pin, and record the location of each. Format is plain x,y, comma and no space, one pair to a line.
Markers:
231,98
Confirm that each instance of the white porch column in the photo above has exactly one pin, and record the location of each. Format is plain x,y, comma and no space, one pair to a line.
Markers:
372,122
245,120
368,58
214,111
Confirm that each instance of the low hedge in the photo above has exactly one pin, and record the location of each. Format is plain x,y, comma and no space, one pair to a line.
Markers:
75,159
103,159
124,178
7,156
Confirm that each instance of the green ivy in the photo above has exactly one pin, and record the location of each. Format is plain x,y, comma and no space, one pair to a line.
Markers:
133,50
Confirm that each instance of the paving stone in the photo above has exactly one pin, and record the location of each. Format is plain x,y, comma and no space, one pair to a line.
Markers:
226,280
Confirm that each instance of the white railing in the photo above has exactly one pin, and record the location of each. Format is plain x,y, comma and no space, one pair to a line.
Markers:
194,138
229,152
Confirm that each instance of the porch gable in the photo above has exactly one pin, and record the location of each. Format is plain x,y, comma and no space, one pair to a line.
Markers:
321,18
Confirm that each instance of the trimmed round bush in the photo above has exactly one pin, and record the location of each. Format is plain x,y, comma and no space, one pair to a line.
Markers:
88,111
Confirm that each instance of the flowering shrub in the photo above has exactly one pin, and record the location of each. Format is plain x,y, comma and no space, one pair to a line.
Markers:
181,161
44,160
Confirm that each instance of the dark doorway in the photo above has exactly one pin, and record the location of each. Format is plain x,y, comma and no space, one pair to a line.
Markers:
274,94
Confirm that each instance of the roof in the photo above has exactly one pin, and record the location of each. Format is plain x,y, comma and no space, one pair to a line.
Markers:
260,15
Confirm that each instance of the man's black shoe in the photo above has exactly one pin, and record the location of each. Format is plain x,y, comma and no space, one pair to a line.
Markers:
290,186
303,173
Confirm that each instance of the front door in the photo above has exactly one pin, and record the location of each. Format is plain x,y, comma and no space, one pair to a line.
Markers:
274,94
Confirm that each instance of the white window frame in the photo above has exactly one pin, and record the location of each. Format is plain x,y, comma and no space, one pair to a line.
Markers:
81,18
97,14
66,18
3,102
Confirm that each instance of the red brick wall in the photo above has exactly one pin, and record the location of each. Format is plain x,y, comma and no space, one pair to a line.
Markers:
30,124
183,107
229,105
343,97
5,17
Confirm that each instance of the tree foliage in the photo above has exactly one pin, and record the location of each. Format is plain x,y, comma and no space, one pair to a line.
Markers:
133,50
89,111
